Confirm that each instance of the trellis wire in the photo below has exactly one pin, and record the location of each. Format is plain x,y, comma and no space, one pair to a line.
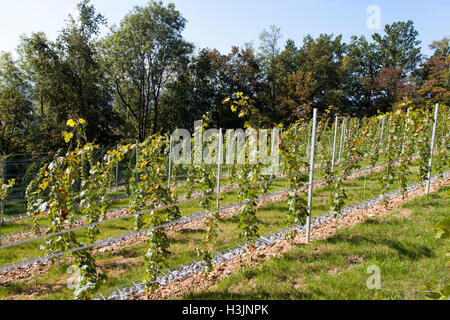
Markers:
312,156
167,206
118,197
195,216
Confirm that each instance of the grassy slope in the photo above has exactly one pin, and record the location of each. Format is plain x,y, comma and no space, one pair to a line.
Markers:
401,244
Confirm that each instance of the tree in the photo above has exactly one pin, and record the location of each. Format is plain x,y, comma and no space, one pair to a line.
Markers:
66,79
391,88
400,47
206,82
364,65
323,65
435,73
296,96
143,55
89,91
268,54
46,77
288,59
15,118
10,73
195,91
243,73
400,56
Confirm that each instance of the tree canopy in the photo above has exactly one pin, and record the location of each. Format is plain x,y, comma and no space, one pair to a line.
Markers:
143,77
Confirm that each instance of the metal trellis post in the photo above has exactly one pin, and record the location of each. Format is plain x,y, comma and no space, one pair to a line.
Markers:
170,164
117,169
404,134
334,143
219,162
311,176
389,129
137,154
433,138
342,139
382,129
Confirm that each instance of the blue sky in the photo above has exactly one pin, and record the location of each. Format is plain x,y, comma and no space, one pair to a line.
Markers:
221,24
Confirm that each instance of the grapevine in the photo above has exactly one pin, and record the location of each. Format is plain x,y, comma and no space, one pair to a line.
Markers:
247,174
291,152
150,192
65,190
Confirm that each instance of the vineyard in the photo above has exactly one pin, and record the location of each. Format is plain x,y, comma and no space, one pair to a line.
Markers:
171,220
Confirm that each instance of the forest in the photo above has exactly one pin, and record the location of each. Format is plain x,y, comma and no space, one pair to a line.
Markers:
144,78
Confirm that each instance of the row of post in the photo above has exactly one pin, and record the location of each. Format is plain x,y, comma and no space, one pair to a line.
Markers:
312,146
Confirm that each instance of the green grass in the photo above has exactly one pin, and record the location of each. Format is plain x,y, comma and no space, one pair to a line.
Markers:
401,244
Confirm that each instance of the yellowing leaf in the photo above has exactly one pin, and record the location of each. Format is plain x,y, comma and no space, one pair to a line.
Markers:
71,123
68,136
44,184
226,100
143,164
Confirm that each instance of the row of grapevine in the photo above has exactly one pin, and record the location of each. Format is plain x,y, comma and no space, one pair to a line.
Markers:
74,184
